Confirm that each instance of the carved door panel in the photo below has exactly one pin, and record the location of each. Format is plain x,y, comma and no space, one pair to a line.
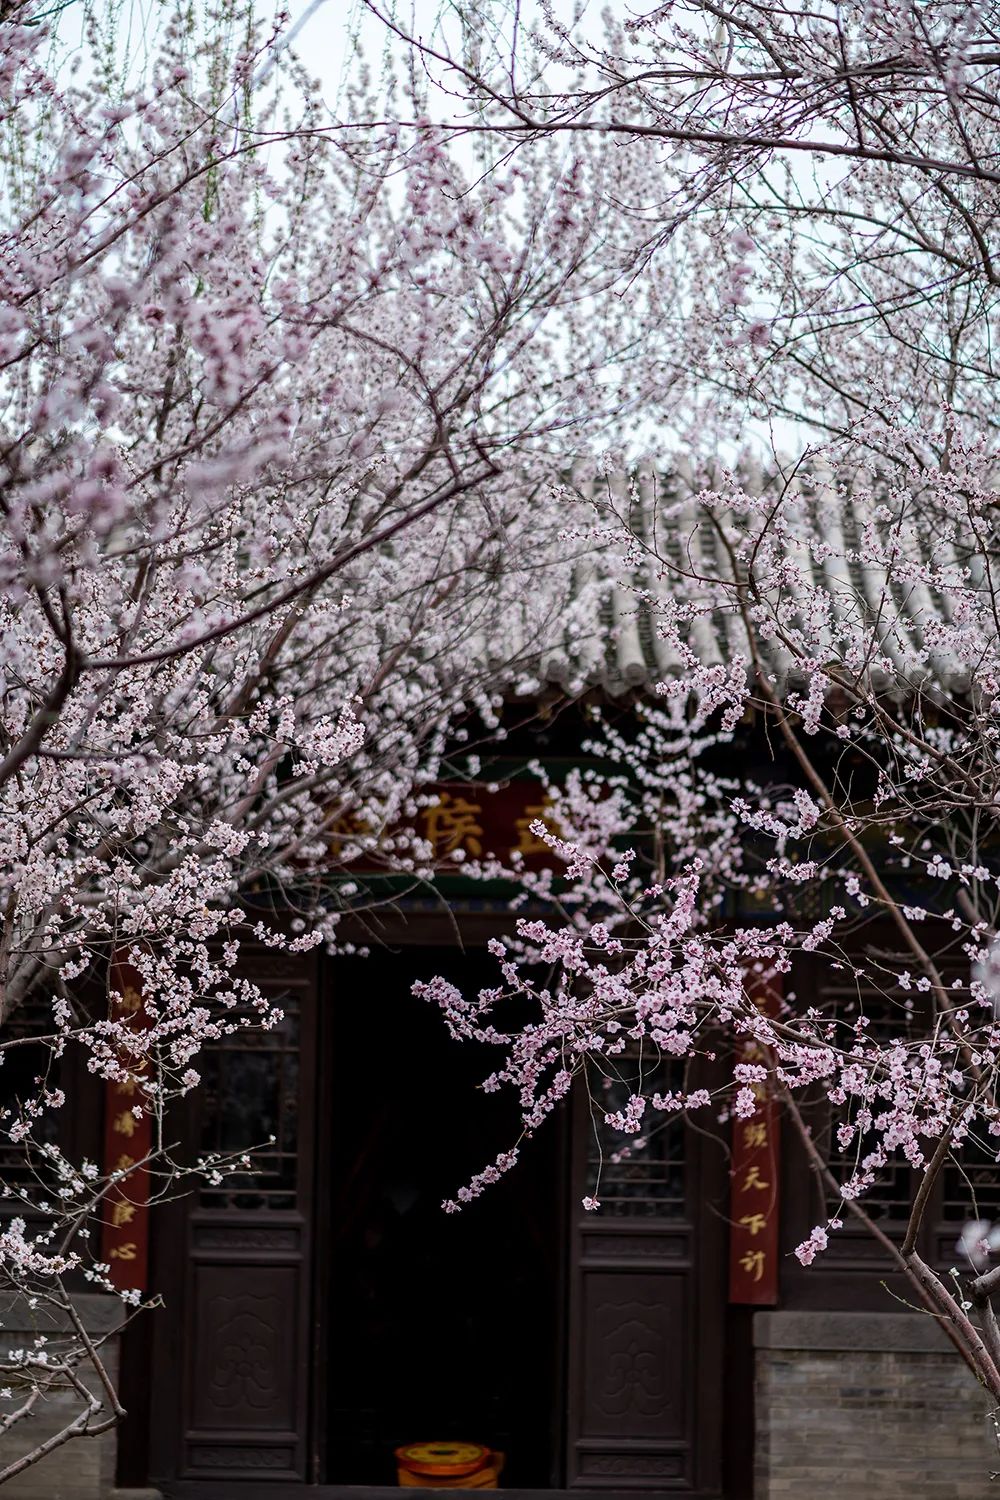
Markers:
646,1307
237,1367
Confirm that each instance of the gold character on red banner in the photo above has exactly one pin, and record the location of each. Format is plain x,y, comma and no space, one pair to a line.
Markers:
754,1223
453,825
130,1001
755,1200
528,842
754,1262
125,1231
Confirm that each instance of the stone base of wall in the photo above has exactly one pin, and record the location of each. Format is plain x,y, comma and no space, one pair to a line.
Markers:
877,1406
82,1468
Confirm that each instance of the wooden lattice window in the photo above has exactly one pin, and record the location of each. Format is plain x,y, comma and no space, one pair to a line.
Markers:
22,1167
889,1015
971,1187
250,1093
637,1175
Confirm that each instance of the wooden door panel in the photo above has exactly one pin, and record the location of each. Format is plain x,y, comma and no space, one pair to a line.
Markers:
645,1314
237,1370
632,1355
250,1379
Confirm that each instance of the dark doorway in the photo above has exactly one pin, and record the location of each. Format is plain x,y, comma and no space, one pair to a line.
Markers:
440,1326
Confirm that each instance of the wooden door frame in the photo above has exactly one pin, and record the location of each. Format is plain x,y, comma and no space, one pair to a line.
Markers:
703,1231
167,1437
407,932
242,1489
322,1228
183,1239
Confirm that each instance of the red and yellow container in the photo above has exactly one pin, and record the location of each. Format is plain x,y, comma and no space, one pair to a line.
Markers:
448,1466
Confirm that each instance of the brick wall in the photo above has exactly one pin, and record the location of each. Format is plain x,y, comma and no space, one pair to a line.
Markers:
876,1406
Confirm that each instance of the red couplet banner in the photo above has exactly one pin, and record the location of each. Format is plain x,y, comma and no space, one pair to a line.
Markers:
754,1196
128,1134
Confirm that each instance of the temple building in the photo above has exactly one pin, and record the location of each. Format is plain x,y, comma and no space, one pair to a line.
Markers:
322,1312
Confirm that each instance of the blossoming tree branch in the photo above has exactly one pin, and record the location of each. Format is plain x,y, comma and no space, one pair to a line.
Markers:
826,194
281,406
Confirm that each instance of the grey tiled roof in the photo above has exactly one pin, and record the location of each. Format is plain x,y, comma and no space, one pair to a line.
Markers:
605,630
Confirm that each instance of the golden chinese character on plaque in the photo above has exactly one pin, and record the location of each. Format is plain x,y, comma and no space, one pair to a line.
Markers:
528,842
348,827
453,824
131,1000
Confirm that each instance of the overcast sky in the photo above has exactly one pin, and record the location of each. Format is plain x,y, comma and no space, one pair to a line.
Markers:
321,33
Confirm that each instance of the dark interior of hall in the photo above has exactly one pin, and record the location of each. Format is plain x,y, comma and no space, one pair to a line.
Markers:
440,1326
